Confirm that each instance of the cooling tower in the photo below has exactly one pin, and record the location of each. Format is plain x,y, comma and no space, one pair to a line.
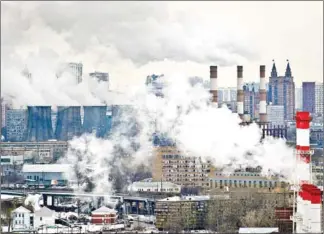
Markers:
68,122
39,123
123,120
96,120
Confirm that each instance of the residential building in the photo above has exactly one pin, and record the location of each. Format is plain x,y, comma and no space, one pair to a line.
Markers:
309,97
4,108
172,165
282,91
319,98
22,219
16,124
46,174
299,99
154,187
276,115
187,212
44,216
103,215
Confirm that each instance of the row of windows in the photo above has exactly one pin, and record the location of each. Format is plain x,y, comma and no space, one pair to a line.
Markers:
19,215
234,183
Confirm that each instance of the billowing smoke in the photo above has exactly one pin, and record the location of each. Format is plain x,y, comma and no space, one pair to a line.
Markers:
33,200
184,115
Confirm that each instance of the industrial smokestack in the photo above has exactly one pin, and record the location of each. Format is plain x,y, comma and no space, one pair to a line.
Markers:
96,120
39,123
263,96
240,92
213,85
68,124
303,120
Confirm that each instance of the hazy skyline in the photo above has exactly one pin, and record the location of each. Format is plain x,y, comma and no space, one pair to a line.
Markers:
131,40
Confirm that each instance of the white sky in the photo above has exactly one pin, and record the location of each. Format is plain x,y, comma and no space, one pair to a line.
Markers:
131,40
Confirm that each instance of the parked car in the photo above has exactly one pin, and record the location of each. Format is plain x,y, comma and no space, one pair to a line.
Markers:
41,186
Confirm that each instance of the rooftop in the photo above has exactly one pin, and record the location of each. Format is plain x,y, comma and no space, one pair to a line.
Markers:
21,209
103,210
46,168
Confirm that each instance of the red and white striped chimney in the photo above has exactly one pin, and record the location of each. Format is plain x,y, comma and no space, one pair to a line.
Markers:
263,96
240,92
303,120
213,85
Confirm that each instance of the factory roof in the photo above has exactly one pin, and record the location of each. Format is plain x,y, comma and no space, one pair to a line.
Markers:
46,168
186,198
103,210
154,184
44,212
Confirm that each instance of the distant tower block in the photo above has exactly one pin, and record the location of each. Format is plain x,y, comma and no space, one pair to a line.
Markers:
68,124
240,92
39,123
213,85
263,96
303,120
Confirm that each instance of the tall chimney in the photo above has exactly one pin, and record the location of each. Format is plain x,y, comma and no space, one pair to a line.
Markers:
263,96
213,85
240,92
303,120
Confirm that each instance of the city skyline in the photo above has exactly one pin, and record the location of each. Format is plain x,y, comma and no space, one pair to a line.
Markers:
168,38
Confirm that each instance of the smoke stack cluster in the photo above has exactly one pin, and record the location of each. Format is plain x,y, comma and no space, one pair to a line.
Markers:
263,96
39,125
240,92
213,85
68,123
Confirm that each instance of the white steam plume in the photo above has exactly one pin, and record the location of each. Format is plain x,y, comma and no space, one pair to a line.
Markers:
186,116
33,199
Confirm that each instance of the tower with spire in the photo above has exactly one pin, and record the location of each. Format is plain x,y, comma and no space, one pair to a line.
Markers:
274,70
288,70
282,90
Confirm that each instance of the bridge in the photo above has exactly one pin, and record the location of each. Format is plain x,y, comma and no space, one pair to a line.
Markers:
125,203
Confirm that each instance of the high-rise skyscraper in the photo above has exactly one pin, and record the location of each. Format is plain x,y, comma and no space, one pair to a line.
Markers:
155,84
299,98
251,99
319,98
309,97
100,76
282,91
75,69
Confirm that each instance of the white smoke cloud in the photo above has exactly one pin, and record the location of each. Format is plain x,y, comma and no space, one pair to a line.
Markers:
198,128
34,200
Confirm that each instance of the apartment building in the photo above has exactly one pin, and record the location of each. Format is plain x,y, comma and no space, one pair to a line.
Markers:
181,213
170,164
